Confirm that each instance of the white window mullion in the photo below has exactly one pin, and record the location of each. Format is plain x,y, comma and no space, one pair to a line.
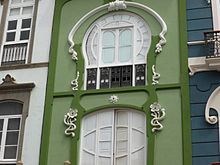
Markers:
117,33
216,14
4,135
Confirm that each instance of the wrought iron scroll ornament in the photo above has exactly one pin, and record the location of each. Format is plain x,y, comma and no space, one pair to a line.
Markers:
69,120
74,83
155,77
118,5
158,114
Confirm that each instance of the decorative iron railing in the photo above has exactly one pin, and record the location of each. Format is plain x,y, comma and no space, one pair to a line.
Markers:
215,163
14,54
212,43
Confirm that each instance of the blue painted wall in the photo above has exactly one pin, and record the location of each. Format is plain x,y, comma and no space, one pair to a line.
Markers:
205,145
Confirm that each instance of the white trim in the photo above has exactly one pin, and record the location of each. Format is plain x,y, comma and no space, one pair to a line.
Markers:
106,6
216,14
214,103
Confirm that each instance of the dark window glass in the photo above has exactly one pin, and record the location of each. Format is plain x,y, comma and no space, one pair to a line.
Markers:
12,25
10,36
25,35
10,108
126,76
10,152
91,78
12,138
115,76
0,139
105,77
14,124
26,23
140,74
1,124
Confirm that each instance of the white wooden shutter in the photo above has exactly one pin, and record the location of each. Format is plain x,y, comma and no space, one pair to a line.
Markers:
97,139
112,137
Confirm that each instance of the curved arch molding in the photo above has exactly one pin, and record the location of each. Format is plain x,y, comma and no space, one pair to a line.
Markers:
114,6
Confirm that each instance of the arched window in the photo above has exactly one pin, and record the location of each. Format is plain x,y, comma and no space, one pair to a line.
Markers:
113,137
10,125
115,49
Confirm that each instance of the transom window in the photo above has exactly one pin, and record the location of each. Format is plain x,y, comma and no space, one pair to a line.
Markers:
116,47
10,123
17,32
113,137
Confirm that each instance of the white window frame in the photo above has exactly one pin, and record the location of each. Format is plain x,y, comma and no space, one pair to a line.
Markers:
18,29
100,25
3,140
216,14
113,152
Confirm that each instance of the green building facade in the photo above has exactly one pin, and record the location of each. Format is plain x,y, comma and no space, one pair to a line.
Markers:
115,58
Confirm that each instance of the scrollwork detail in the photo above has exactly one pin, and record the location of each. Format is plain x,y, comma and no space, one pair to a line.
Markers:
69,120
158,114
155,77
117,5
74,82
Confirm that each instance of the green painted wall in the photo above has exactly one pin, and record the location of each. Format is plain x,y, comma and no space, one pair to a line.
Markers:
170,146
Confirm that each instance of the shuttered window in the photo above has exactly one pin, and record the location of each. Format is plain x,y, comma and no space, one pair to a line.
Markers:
113,137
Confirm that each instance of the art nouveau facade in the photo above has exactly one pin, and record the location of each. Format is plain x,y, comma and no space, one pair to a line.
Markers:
25,32
113,94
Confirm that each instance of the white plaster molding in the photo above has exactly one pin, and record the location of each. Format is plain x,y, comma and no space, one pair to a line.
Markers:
155,77
158,114
108,6
113,99
69,120
214,103
200,64
117,5
74,83
215,13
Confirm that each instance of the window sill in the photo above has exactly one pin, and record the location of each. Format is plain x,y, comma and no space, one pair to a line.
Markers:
200,64
24,66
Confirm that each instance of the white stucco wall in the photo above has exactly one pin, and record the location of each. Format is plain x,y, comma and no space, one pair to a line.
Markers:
43,29
33,125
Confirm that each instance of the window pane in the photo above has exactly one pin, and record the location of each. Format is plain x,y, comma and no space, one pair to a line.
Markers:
1,124
125,38
12,25
26,23
125,48
15,1
0,138
14,124
10,36
25,35
15,11
27,0
12,138
10,108
108,55
27,10
108,39
10,152
125,54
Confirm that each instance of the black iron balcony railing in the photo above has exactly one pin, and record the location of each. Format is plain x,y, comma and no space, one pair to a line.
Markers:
212,43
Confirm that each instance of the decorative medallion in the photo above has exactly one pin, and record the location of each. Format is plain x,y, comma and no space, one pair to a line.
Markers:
69,120
117,5
113,99
156,76
74,83
158,114
8,80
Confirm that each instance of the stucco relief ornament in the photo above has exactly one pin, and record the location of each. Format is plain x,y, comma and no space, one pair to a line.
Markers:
113,99
69,120
117,5
158,114
74,83
155,77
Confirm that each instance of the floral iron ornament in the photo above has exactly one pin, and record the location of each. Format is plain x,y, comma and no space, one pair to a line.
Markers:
113,99
158,114
69,120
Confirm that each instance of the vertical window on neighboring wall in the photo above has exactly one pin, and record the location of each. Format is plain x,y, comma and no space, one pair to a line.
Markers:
17,32
113,137
116,46
10,125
